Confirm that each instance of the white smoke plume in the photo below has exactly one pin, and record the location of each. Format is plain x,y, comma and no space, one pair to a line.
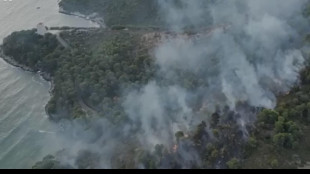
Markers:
252,58
251,55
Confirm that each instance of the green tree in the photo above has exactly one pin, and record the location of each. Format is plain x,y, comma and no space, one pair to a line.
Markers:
284,140
179,135
268,116
280,125
234,163
274,163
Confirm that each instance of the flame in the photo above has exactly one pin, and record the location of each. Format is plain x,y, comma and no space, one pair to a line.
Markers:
175,148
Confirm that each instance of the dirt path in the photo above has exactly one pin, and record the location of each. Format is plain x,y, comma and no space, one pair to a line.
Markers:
62,41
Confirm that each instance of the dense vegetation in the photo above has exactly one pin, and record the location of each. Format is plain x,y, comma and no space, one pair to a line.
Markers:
278,139
88,77
142,13
133,12
281,134
275,141
28,48
225,147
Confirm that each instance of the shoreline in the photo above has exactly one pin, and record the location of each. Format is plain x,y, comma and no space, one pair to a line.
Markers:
12,62
96,19
45,76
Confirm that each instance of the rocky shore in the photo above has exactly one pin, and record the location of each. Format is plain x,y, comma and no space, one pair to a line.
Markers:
45,76
14,63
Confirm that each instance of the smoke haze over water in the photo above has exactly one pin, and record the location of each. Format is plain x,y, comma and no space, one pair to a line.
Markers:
252,58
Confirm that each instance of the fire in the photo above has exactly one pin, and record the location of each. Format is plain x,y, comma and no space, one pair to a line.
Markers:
175,148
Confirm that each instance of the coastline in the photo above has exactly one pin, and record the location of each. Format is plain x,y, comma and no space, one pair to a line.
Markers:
12,62
93,18
45,76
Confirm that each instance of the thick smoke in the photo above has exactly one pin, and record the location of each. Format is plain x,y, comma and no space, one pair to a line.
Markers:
246,51
251,56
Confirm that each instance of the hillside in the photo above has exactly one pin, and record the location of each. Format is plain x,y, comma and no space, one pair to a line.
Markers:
135,86
94,71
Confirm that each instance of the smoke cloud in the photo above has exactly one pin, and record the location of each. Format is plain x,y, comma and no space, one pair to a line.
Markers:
251,57
246,51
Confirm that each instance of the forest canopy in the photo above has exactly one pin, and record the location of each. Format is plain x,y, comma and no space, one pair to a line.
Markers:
100,66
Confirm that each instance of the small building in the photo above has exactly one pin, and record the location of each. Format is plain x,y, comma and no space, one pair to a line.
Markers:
41,29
